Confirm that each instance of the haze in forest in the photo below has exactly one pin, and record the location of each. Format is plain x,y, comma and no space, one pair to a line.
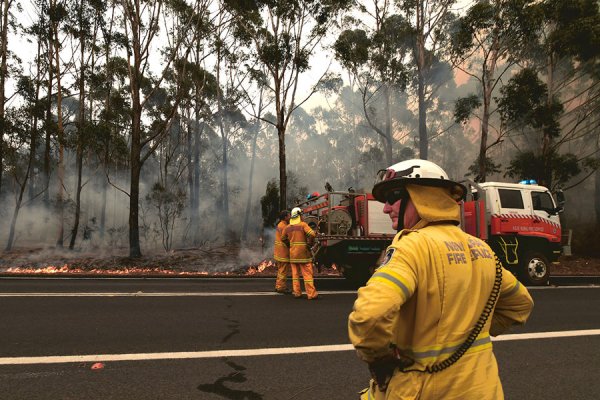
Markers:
113,145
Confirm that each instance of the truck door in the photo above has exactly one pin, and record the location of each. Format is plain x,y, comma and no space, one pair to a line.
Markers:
547,219
513,216
543,206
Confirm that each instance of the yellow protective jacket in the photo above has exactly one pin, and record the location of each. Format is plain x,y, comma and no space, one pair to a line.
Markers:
425,299
281,251
296,233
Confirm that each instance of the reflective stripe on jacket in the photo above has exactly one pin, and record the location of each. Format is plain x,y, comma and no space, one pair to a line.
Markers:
297,234
281,251
424,300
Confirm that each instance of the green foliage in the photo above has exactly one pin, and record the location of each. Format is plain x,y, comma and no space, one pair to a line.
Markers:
505,24
577,28
524,103
490,166
554,170
352,48
390,46
296,192
270,204
331,83
169,203
464,107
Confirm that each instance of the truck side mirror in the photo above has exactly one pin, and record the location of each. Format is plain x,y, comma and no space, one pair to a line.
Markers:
560,197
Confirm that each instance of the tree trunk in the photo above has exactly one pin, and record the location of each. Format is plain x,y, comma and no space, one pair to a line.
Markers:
282,167
80,133
134,197
34,127
389,140
546,138
597,184
224,183
135,163
250,178
189,153
421,66
3,76
23,185
61,151
48,126
488,87
132,12
196,183
482,159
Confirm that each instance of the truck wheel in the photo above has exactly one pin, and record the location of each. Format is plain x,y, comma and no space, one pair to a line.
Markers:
534,269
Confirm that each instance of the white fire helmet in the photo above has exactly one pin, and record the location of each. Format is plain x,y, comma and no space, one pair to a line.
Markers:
414,172
296,212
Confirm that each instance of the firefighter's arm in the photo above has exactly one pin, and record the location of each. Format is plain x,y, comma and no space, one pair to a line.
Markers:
374,315
513,306
285,238
310,234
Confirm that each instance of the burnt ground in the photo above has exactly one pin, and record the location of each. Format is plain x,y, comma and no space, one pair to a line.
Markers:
218,260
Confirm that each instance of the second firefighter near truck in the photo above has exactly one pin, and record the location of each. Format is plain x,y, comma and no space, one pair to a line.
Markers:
421,322
297,234
281,254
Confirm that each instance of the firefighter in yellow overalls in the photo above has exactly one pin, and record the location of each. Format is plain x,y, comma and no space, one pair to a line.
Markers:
296,233
281,254
421,322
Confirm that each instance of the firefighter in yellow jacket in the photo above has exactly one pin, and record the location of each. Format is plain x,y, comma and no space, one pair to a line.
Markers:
296,233
281,254
421,322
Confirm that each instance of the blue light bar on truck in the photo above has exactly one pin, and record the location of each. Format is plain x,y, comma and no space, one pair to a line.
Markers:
528,182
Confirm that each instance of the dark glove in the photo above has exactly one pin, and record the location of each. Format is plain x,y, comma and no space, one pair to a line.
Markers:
383,369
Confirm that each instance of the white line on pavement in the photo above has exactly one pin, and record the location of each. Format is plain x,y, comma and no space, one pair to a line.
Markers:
160,294
212,294
249,352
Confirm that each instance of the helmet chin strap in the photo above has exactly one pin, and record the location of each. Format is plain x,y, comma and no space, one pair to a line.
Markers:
403,205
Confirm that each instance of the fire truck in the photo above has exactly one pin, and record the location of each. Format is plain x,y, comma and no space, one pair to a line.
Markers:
520,222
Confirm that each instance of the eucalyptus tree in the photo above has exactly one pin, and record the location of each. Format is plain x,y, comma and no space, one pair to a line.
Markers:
567,60
5,21
198,87
142,22
23,135
486,44
57,12
231,79
199,91
561,105
257,103
430,21
85,18
108,88
375,55
285,34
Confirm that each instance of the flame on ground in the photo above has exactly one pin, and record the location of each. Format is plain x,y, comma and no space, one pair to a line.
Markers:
66,269
253,270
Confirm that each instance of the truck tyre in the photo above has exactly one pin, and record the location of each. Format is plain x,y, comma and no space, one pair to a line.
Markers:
534,269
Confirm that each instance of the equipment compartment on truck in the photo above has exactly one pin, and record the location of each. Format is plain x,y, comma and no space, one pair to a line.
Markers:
352,232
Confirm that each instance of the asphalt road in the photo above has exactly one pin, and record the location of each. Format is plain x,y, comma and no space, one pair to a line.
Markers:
235,339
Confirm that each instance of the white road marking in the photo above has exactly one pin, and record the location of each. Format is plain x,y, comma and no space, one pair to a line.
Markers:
161,294
249,352
214,294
